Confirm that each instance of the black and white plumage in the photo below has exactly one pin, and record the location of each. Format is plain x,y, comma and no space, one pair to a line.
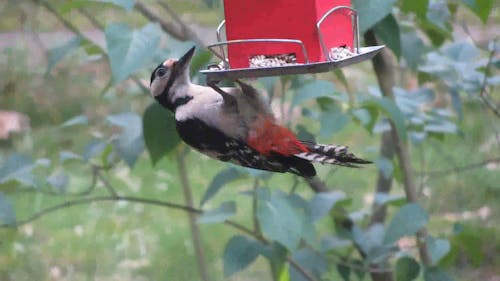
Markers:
235,124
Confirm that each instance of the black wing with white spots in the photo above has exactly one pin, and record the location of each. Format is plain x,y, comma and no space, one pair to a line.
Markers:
214,143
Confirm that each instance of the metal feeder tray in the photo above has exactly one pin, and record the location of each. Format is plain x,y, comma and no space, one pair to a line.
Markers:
361,54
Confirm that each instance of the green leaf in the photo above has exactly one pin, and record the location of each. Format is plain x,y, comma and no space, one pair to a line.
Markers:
470,240
418,7
222,178
341,76
77,120
438,248
407,221
407,269
67,6
56,54
125,4
239,253
321,204
130,143
313,90
220,214
311,261
412,49
371,12
344,272
390,108
93,149
17,168
332,122
7,212
482,8
370,240
462,51
436,274
439,14
284,275
160,134
388,31
382,198
282,221
130,50
436,34
65,155
58,180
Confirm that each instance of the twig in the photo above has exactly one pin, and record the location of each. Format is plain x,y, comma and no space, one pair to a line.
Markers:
302,270
65,22
77,32
141,200
82,201
100,27
484,93
386,80
294,185
195,230
184,27
106,183
168,27
459,169
256,227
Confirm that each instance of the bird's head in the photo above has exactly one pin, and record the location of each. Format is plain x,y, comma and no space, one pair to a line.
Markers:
170,76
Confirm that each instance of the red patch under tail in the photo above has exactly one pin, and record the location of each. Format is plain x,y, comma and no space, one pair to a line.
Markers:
267,136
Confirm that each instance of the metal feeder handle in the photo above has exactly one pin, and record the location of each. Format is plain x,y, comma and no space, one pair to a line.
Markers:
242,41
355,28
219,39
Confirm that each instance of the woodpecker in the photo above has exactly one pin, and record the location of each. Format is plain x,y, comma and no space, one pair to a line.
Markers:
235,124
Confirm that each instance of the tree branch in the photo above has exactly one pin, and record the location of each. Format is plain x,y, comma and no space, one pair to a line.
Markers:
195,230
146,201
384,70
184,27
88,200
168,27
484,92
458,170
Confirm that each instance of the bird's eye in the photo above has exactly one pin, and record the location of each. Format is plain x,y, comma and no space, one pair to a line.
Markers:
160,72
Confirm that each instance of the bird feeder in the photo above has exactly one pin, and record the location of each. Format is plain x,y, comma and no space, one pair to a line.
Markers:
280,37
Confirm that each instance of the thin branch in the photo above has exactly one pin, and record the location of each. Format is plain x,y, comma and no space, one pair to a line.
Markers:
302,270
155,202
295,184
184,27
458,170
195,230
484,93
107,185
77,32
101,27
88,200
384,69
256,227
168,27
54,12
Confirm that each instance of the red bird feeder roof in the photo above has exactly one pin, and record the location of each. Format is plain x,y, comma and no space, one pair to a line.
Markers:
285,19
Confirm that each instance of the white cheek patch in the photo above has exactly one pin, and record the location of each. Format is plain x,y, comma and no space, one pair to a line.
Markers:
157,87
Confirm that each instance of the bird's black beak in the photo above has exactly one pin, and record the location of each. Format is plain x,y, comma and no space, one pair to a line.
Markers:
184,61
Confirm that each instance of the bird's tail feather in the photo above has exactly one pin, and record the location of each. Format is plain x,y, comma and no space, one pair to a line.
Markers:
331,154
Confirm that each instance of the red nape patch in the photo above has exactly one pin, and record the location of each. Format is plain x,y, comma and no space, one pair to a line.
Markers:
267,137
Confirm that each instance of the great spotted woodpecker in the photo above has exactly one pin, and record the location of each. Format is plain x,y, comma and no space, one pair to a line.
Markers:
236,124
